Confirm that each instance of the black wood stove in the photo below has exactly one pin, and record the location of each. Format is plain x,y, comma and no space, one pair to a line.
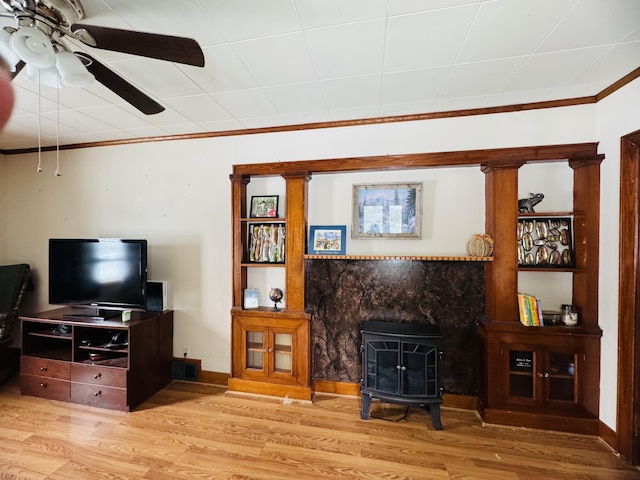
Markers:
400,363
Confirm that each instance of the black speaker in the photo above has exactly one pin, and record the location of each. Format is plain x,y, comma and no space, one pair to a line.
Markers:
156,296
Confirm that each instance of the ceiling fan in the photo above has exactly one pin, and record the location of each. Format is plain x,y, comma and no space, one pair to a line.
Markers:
37,43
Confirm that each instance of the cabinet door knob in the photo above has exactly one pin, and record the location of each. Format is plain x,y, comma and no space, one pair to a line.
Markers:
43,385
98,393
97,375
270,350
43,369
403,368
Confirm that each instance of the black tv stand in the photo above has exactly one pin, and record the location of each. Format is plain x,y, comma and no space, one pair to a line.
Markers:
96,314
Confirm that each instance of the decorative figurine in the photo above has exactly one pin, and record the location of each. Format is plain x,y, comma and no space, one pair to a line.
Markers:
275,294
525,205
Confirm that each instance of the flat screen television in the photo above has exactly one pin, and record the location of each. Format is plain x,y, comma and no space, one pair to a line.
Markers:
103,276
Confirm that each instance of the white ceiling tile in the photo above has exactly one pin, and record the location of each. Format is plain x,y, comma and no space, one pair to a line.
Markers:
354,92
618,61
309,116
553,69
594,22
426,40
354,113
464,103
480,78
262,122
347,50
246,103
224,71
413,86
399,7
277,60
314,14
297,98
243,19
511,28
198,108
221,126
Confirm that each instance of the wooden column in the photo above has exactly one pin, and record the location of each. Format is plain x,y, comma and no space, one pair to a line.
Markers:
501,204
238,235
586,207
296,237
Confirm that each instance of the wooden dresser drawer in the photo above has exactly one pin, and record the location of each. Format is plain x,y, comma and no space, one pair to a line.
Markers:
51,388
99,396
107,376
44,367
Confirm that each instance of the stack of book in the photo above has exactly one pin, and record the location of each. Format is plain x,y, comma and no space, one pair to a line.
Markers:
530,310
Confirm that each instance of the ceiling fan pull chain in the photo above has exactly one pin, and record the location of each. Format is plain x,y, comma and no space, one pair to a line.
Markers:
39,126
57,171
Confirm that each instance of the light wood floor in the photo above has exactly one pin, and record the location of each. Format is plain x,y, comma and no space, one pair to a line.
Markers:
191,430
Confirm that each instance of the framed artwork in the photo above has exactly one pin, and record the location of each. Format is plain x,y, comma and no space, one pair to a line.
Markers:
387,211
265,206
545,242
266,242
327,240
251,298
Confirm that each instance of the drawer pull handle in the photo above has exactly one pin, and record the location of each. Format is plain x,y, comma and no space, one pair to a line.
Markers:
98,393
43,385
97,376
43,369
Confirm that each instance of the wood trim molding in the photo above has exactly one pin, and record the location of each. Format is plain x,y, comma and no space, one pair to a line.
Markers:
628,304
487,158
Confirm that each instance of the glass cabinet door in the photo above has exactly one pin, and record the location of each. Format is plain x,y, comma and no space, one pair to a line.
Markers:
521,373
255,349
562,372
282,361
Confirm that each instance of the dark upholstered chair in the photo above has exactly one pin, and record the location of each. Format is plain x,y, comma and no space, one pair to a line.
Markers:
14,280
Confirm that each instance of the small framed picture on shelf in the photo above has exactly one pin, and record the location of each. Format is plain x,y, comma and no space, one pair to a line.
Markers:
327,240
251,298
266,242
264,207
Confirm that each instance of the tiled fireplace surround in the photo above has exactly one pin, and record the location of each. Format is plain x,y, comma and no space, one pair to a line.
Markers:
343,293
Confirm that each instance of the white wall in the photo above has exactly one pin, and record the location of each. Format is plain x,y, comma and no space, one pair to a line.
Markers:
177,196
618,115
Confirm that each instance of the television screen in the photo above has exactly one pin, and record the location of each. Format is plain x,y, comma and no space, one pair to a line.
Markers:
101,273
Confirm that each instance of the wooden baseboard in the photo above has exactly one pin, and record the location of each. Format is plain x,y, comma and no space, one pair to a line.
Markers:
585,426
271,389
214,378
338,388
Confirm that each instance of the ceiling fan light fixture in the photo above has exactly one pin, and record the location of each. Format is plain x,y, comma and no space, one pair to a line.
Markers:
33,47
6,52
47,77
72,71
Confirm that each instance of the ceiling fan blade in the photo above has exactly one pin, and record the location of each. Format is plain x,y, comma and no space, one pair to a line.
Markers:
120,86
161,47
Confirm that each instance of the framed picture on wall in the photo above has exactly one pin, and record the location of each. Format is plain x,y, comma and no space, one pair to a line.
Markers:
264,206
327,240
387,211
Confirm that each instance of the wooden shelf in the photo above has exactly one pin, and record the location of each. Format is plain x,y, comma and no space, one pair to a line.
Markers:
432,258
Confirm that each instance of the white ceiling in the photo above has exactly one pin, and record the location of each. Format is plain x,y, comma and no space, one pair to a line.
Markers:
287,62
